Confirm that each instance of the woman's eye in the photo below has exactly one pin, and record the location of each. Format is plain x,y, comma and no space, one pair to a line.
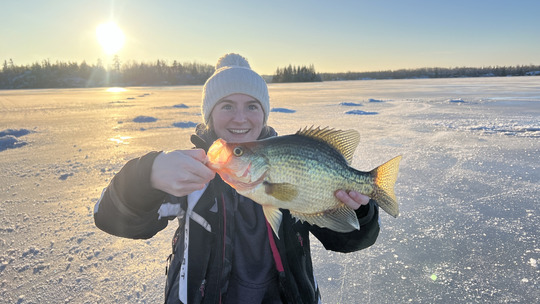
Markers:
253,107
226,107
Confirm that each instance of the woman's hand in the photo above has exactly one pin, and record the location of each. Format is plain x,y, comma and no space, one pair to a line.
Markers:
351,198
180,172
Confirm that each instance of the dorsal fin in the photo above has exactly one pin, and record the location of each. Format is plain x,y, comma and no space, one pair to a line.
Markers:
344,141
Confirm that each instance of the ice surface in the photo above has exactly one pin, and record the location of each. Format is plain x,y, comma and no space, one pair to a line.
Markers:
10,142
459,100
360,112
143,118
469,189
282,110
9,138
350,104
183,125
15,133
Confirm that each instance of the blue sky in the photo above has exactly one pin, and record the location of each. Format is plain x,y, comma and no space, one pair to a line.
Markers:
334,36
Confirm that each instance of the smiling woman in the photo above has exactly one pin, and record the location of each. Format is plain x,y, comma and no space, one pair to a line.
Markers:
110,37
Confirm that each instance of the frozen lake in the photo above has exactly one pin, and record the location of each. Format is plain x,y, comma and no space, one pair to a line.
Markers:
468,188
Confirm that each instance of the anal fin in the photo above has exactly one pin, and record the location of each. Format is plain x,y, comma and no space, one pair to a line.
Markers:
341,219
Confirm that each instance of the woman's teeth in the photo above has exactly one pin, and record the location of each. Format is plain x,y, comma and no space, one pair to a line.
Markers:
239,131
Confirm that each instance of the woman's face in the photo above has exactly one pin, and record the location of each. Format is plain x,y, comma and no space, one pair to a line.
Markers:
238,118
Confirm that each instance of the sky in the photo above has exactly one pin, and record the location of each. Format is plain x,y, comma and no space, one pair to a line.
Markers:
334,36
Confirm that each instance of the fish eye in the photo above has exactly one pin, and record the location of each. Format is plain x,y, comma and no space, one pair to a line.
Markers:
238,151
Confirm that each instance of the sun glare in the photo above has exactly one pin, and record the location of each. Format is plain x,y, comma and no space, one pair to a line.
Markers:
110,37
116,90
121,139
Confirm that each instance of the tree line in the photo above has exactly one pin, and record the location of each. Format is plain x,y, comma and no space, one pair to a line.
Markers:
74,75
495,71
162,73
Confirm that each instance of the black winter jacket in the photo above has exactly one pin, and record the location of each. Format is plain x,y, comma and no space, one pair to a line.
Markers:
129,207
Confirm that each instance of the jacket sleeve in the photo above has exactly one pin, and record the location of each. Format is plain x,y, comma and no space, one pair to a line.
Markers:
129,206
368,217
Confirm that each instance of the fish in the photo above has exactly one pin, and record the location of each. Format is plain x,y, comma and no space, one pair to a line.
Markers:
300,172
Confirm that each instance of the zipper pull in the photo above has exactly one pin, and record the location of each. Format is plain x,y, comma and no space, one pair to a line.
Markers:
300,239
202,288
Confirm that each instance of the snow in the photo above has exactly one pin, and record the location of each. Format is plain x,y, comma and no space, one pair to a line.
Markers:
458,100
350,104
15,133
185,124
468,187
143,118
282,110
360,112
9,138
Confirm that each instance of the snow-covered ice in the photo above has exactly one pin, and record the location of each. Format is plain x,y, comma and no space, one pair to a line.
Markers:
469,188
282,110
360,112
143,118
9,138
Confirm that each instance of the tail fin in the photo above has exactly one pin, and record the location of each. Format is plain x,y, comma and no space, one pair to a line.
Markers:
385,178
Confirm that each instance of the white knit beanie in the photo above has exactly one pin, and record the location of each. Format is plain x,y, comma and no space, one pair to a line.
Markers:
233,75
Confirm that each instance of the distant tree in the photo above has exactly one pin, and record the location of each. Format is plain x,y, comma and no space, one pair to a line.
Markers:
116,63
296,74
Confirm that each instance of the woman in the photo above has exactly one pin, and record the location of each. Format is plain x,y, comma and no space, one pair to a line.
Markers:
223,249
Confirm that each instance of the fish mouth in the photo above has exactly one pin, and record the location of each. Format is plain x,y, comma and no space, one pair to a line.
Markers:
216,159
240,177
239,182
240,174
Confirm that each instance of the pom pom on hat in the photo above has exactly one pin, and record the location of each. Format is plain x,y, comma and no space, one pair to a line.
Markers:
233,75
230,60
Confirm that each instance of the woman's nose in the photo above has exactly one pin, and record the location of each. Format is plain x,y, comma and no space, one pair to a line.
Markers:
239,116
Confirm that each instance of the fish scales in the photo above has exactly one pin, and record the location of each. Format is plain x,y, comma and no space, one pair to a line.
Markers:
293,157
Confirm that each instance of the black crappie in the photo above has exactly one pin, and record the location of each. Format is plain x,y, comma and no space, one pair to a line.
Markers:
301,172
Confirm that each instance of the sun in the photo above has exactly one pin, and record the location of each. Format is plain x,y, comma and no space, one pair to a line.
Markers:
110,37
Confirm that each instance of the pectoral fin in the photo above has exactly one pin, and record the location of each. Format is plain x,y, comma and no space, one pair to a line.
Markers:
273,216
282,191
342,219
